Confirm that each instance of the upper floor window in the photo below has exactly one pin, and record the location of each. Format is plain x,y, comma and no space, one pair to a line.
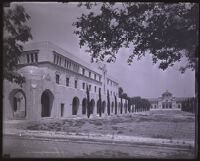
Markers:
95,76
36,57
54,60
67,81
99,78
65,63
32,60
90,87
27,56
57,78
83,85
83,71
60,61
75,84
90,74
95,89
57,59
99,89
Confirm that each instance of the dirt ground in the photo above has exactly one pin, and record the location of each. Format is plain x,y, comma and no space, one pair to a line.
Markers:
155,124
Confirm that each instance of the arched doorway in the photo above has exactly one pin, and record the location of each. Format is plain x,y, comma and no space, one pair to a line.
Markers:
92,104
98,107
84,106
103,106
112,108
75,106
122,106
47,103
119,107
18,103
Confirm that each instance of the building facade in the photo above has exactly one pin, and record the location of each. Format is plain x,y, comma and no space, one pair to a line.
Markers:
166,102
56,84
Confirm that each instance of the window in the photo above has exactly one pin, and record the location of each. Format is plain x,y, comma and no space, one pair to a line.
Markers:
28,60
60,61
99,89
69,65
67,81
36,57
95,89
83,71
62,109
65,63
99,78
32,58
75,84
57,59
57,78
90,87
54,60
90,74
83,85
95,76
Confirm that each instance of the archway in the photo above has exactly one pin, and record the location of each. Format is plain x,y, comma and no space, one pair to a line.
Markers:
75,106
122,106
103,106
47,103
119,107
112,106
92,104
98,107
18,103
84,106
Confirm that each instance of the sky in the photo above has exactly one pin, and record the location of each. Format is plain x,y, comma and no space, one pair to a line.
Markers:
53,22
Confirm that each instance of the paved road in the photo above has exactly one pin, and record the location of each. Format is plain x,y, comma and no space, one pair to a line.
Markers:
21,147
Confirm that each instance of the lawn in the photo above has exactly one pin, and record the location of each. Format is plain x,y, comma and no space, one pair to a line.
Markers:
155,124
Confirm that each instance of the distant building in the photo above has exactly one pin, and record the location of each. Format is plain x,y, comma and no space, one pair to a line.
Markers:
166,101
55,87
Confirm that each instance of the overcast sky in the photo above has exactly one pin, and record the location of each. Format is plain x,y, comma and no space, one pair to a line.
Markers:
53,22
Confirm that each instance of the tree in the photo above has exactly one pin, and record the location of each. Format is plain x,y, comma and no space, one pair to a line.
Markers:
167,31
88,102
108,104
15,33
115,105
100,110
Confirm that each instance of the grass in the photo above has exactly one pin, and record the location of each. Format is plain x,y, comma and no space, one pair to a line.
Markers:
155,124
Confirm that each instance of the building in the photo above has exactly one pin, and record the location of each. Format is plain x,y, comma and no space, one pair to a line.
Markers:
56,84
166,101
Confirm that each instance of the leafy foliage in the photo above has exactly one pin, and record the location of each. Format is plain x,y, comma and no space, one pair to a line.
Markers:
88,102
15,33
169,31
100,103
108,103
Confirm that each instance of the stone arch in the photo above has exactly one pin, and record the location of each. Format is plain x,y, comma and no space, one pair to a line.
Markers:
98,107
92,105
84,106
47,98
112,107
122,108
75,106
17,99
103,106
